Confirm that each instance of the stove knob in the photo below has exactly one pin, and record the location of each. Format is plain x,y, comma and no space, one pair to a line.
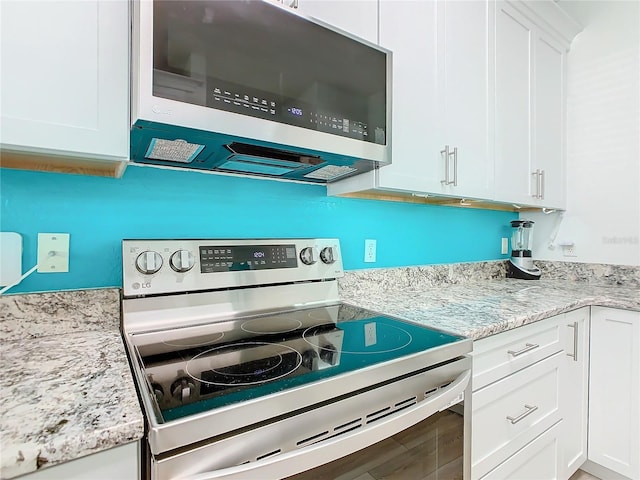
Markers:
328,354
183,389
326,255
158,391
307,255
149,262
310,360
181,261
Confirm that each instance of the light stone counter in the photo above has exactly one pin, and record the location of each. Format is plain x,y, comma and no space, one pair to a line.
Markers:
444,297
67,386
68,390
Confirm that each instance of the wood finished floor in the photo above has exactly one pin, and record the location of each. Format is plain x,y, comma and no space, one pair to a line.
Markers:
580,475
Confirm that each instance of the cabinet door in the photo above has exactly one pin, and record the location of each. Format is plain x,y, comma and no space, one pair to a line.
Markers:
409,29
65,78
464,90
614,390
549,124
574,389
513,103
359,17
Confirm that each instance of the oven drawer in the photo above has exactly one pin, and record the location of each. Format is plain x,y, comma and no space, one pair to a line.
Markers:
510,413
500,355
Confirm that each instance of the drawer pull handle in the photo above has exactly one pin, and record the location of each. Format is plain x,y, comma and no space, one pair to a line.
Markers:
530,410
527,348
574,355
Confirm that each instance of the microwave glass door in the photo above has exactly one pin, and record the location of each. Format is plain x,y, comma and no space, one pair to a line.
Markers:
263,60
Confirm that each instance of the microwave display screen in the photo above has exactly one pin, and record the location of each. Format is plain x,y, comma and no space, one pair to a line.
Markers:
263,60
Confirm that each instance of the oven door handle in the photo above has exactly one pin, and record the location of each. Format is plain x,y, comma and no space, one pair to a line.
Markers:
296,461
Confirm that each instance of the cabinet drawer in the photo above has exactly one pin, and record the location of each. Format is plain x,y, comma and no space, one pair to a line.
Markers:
539,460
510,413
500,355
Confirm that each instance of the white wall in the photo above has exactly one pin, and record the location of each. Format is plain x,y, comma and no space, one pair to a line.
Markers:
603,144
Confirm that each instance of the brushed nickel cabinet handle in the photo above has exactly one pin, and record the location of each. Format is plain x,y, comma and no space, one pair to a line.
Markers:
541,189
529,411
455,166
527,348
446,154
574,355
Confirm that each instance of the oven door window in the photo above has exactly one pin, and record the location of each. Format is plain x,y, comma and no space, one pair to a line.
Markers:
432,448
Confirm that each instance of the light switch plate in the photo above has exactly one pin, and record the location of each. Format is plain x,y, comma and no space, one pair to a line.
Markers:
10,257
53,252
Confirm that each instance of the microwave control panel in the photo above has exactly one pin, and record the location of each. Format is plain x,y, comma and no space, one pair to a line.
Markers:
245,101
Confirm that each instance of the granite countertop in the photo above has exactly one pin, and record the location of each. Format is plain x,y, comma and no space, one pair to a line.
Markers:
487,307
67,386
68,390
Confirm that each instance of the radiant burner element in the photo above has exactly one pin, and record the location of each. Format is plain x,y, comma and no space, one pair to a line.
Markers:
275,361
272,325
375,338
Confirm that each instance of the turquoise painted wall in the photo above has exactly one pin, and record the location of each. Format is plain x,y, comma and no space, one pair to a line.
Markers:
159,203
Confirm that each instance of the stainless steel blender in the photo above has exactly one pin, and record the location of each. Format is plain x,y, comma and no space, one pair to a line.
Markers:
521,264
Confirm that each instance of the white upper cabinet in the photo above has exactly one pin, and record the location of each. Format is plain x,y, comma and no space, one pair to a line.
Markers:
512,104
549,123
478,101
409,30
358,17
464,94
65,78
441,119
529,111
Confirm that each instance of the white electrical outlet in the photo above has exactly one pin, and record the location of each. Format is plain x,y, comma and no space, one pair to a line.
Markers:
369,251
53,252
505,246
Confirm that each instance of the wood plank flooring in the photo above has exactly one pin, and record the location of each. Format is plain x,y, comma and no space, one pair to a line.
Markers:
580,475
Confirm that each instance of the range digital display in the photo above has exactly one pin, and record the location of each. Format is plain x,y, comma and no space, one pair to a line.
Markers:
246,257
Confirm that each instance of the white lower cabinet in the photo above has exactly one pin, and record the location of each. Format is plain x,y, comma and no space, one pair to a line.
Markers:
574,389
542,369
553,394
614,391
122,463
512,412
516,399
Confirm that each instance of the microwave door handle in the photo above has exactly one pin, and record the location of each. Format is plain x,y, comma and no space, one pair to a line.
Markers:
324,452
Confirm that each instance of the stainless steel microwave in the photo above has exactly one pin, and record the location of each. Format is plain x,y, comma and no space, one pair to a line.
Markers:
254,87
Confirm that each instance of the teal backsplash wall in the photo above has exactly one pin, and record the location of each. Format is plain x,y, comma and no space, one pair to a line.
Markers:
160,203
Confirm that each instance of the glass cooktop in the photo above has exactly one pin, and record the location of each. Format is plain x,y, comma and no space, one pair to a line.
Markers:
196,369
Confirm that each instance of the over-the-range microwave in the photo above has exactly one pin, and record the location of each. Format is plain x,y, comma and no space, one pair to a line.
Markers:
254,87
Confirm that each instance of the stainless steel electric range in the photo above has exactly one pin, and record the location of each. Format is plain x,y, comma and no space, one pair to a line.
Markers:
248,365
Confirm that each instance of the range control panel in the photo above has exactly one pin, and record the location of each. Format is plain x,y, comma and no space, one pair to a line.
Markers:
151,267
